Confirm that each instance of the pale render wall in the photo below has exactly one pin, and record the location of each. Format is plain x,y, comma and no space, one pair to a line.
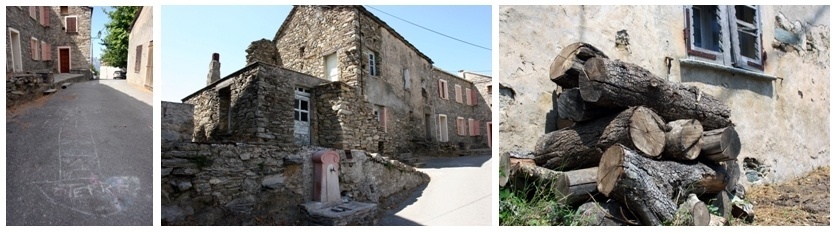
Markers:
783,123
141,34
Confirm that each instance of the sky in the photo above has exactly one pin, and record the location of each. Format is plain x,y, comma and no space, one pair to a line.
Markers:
190,34
99,20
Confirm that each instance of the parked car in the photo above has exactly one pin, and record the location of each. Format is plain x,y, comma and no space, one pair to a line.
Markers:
119,74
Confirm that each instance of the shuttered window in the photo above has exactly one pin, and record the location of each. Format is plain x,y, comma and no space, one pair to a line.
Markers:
138,59
71,24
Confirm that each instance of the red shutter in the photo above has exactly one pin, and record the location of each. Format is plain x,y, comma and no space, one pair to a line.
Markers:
473,96
45,16
49,52
43,51
71,24
33,12
476,124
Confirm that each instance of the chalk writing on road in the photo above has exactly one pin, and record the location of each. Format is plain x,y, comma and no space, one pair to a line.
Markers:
79,187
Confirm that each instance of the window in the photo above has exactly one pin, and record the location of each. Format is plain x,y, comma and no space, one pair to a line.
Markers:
34,49
224,110
468,96
405,78
380,115
138,59
727,35
70,23
442,89
65,10
44,51
373,69
45,16
458,93
461,126
442,128
474,96
474,126
33,12
489,89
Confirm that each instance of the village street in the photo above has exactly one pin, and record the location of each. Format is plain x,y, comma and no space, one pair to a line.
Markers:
459,194
81,156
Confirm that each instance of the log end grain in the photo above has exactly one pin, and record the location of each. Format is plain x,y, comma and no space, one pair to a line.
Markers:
610,169
646,133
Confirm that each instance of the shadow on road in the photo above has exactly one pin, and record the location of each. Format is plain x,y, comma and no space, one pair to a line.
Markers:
463,161
390,219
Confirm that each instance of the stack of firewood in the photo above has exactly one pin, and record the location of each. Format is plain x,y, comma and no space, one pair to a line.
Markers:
641,151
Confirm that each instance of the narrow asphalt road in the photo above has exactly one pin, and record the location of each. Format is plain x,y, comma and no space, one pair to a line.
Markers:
459,194
81,156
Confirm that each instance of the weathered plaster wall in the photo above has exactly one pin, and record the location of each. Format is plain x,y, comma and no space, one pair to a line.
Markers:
18,18
780,122
142,34
405,105
243,184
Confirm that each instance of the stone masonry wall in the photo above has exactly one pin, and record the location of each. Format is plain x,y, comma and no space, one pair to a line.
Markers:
313,32
453,110
177,123
23,88
243,184
779,121
17,18
482,110
243,101
345,121
263,51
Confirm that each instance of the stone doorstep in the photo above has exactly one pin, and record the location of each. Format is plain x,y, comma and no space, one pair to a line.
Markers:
346,214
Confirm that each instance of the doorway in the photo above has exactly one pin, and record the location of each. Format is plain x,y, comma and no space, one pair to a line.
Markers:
17,58
63,60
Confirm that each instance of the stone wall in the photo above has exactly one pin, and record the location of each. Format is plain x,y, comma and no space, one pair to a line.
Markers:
263,51
236,121
483,109
242,184
790,110
141,36
18,19
454,110
177,124
345,121
310,33
21,88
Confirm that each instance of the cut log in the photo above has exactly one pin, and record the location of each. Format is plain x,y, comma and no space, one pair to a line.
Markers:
648,187
682,142
572,187
732,170
637,128
571,106
618,84
504,168
692,212
581,146
583,186
572,148
720,144
609,213
569,62
722,203
538,181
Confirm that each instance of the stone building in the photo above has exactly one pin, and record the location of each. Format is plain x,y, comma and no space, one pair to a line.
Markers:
43,39
769,64
355,84
461,111
140,69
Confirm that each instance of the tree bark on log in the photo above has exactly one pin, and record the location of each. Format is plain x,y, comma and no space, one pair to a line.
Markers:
682,142
572,187
618,84
692,212
609,213
720,144
569,62
571,106
581,146
648,187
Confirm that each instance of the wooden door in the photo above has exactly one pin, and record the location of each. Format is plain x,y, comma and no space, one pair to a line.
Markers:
64,57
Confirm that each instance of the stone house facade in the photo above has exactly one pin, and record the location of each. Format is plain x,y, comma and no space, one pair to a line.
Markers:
461,113
140,70
43,39
354,82
769,64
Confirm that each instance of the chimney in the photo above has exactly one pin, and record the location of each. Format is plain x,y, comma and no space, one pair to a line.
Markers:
214,69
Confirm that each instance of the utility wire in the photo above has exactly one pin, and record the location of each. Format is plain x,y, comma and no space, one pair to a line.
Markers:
430,29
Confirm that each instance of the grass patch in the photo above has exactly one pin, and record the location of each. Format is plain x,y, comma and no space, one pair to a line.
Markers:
533,206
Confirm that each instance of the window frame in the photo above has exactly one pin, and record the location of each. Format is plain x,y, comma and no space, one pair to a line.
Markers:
374,69
75,24
729,54
35,48
138,59
443,89
33,12
458,89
